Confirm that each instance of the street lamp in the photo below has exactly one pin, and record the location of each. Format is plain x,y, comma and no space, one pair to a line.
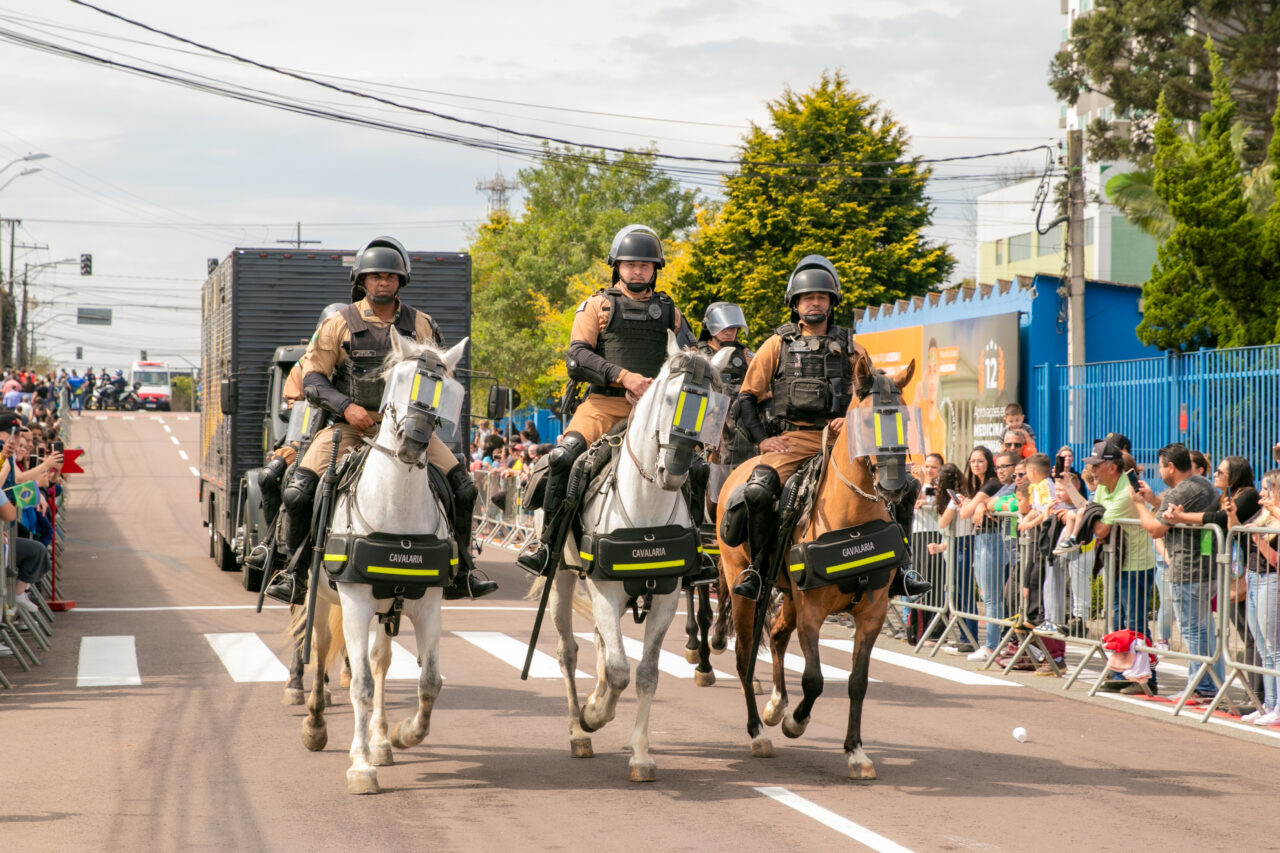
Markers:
26,159
21,174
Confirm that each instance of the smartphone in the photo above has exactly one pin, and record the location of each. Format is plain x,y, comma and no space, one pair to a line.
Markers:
57,446
930,490
1059,466
955,496
1133,480
33,461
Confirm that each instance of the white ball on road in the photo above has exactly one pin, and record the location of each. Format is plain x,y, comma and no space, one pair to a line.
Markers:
1020,734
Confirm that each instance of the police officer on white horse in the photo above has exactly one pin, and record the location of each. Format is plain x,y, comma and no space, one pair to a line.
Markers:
617,345
342,371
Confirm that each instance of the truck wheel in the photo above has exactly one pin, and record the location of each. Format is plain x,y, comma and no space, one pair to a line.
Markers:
223,557
254,530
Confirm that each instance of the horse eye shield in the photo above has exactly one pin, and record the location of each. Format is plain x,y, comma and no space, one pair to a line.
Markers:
691,413
428,397
889,433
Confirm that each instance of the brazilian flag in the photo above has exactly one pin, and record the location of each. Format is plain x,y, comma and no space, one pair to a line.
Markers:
26,495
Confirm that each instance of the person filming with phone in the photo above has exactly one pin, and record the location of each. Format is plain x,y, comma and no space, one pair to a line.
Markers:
1117,488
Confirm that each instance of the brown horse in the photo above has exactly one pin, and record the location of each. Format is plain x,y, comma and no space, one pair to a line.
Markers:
847,496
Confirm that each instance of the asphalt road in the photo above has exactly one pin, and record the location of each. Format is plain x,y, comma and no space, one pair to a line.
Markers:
194,750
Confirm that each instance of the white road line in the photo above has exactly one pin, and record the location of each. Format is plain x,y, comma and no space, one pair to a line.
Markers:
1193,713
247,658
926,667
167,428
182,454
128,418
828,818
100,417
183,418
174,439
795,663
158,418
671,664
180,607
194,470
108,662
511,651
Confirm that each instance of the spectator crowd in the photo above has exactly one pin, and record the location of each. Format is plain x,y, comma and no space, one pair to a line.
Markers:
31,457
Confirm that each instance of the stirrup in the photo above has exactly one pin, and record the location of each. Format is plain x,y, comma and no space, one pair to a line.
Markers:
535,562
287,588
748,585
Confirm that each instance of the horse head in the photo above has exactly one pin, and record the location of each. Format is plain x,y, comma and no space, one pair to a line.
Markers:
420,392
684,407
885,431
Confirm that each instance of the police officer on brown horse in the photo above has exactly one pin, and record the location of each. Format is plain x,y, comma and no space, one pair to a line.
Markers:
342,371
617,345
806,369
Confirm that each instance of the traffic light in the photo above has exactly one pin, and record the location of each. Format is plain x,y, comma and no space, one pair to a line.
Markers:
79,353
86,264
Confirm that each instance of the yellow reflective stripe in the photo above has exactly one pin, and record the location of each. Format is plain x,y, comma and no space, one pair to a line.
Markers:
875,558
680,407
334,558
797,567
413,393
396,570
715,551
435,399
584,555
901,439
453,561
702,412
306,419
637,567
876,419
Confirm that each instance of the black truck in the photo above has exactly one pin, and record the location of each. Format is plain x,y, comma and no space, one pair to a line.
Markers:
259,309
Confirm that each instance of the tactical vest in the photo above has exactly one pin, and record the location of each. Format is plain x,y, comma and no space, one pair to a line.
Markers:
735,371
814,379
635,338
360,374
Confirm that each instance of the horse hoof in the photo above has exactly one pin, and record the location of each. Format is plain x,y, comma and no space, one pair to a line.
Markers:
718,648
704,679
328,698
314,738
690,655
772,714
400,740
292,696
792,728
344,678
362,781
581,747
761,747
756,687
862,771
643,772
582,722
860,766
380,756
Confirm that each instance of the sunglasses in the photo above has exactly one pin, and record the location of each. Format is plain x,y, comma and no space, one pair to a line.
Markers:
1010,465
1014,443
1019,473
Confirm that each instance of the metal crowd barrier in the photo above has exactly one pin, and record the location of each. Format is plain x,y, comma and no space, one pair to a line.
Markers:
499,520
1251,636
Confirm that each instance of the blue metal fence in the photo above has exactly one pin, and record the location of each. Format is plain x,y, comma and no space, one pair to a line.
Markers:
1222,402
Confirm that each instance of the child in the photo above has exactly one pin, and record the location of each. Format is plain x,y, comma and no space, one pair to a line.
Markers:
1042,575
1015,418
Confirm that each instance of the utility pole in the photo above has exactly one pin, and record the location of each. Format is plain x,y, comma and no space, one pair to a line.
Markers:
21,361
297,241
1075,240
499,189
5,319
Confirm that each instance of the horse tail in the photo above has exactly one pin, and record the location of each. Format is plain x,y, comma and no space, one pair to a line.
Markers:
581,601
339,643
332,613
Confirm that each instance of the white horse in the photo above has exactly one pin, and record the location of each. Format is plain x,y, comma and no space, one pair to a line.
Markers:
392,496
644,493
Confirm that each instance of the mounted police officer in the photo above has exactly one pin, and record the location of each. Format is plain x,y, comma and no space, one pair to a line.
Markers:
342,372
617,345
722,326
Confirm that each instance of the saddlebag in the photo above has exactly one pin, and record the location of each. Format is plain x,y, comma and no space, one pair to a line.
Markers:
645,559
394,564
855,558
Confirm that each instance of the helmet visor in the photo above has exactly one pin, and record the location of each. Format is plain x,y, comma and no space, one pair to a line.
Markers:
724,315
304,421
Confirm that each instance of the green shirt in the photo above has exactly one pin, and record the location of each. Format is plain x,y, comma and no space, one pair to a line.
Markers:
1139,554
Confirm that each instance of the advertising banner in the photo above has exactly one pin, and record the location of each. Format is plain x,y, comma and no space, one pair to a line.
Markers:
966,372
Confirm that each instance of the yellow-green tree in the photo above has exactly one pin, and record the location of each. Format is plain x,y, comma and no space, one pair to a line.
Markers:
829,176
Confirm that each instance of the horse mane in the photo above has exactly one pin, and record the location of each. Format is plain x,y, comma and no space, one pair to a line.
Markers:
409,349
684,359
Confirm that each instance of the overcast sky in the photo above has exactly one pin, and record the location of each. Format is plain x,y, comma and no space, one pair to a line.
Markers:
153,179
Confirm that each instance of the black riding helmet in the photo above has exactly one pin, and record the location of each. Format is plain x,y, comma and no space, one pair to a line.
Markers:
814,274
381,254
636,243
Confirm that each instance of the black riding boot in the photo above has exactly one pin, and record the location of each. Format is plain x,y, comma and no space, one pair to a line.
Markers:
269,480
761,493
572,445
907,582
288,586
465,583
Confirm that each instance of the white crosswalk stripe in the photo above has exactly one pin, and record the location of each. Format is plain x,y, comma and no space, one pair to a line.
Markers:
795,663
247,658
108,662
669,663
511,651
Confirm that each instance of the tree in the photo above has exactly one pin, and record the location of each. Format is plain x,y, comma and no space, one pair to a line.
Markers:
1134,51
522,268
827,177
1212,282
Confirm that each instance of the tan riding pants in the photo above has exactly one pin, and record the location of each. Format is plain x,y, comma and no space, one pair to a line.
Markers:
598,414
317,456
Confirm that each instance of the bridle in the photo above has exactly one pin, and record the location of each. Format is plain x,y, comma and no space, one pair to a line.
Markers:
700,375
